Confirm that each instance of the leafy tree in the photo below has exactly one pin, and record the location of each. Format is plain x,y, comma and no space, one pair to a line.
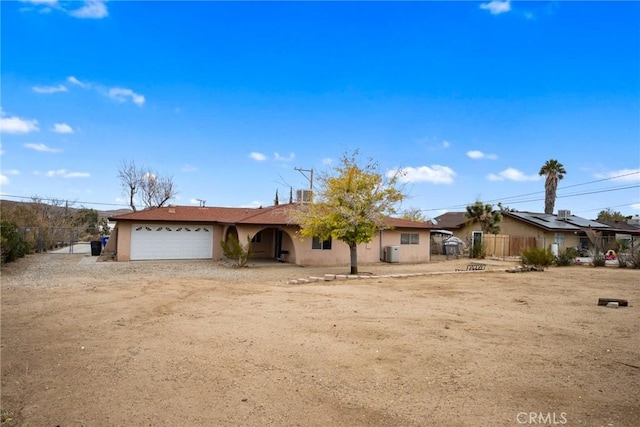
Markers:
12,242
554,171
414,214
88,218
351,205
609,216
103,224
145,186
484,215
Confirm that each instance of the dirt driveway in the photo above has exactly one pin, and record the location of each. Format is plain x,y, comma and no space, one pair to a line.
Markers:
197,344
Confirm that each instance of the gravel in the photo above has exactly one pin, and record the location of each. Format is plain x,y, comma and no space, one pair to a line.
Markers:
56,270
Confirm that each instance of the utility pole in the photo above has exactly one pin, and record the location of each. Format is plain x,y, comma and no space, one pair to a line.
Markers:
202,202
309,178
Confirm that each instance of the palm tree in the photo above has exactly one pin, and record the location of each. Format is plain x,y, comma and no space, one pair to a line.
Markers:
554,170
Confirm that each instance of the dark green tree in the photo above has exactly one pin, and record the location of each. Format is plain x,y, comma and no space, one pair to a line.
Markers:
484,214
608,215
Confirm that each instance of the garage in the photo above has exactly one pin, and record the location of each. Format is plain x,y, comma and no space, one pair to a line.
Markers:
174,241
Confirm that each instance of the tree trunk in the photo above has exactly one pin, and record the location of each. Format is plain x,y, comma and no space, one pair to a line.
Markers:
353,251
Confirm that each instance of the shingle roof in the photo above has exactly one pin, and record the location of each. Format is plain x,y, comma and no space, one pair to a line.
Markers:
451,220
271,215
622,227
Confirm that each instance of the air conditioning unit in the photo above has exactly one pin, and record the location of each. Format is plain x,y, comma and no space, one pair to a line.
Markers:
304,196
564,214
392,254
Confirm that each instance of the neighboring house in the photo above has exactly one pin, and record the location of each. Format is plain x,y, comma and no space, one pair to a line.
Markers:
521,230
625,232
189,232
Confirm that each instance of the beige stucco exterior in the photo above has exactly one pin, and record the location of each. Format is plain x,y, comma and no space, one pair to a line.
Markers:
516,235
293,248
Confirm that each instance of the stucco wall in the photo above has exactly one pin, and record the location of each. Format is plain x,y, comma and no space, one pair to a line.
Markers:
367,252
299,250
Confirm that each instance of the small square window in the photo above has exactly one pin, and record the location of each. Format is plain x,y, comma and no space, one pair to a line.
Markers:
409,239
321,244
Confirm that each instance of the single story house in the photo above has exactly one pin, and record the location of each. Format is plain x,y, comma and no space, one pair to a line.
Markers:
190,232
521,230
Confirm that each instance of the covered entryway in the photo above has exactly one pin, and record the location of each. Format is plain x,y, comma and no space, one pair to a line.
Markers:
171,241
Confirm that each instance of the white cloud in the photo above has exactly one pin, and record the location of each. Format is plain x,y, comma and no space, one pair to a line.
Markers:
75,81
511,174
446,144
62,128
65,174
17,125
327,161
41,2
625,175
435,174
280,158
77,175
189,168
50,89
41,147
3,179
635,206
475,154
123,94
257,156
497,7
92,9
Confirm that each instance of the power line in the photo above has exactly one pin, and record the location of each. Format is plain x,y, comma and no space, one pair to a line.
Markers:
459,206
52,199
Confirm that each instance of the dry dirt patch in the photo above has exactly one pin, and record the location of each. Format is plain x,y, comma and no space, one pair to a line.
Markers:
196,344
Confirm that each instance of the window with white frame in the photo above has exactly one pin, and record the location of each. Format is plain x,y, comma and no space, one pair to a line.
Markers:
409,238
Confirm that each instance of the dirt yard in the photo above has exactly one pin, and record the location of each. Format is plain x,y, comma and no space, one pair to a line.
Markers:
198,344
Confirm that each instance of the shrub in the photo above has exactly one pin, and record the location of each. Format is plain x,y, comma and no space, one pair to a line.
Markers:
567,257
12,242
232,249
632,256
539,258
478,250
598,260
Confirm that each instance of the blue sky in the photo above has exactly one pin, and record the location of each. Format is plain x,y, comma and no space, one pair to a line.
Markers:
469,98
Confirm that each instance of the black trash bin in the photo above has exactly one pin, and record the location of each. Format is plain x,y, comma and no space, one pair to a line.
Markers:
96,247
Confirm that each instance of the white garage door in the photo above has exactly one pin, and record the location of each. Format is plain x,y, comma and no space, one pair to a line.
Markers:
177,241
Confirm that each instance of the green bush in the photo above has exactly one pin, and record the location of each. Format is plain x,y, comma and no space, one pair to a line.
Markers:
598,260
232,249
539,258
12,242
567,257
478,250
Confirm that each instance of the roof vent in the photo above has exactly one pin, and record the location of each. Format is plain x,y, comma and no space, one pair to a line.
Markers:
564,214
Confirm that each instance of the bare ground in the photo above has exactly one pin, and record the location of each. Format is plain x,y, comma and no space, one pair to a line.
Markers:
197,344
